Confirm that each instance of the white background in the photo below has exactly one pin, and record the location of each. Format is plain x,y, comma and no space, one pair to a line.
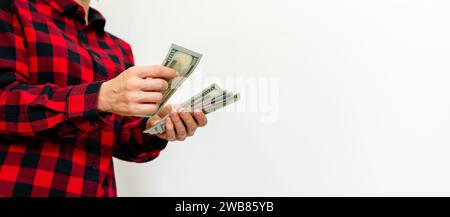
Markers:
364,96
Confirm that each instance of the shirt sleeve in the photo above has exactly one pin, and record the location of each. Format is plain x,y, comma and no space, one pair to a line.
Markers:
134,145
39,110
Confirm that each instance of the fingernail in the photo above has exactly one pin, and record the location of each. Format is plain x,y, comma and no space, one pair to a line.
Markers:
177,74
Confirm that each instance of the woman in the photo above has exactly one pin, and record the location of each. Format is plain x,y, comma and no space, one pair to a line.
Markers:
68,91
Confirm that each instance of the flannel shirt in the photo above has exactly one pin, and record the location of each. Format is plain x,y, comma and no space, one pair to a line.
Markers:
53,141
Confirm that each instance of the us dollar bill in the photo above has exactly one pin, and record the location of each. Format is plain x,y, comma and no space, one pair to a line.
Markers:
212,90
191,104
209,100
183,61
160,126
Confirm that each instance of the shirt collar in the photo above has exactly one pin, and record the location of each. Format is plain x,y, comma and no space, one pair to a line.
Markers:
71,8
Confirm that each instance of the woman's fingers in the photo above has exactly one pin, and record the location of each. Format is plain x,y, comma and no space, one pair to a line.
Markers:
170,130
149,97
154,84
155,72
180,129
143,108
189,122
182,124
201,119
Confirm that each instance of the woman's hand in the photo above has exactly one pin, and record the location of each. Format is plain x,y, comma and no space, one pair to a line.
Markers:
136,91
180,124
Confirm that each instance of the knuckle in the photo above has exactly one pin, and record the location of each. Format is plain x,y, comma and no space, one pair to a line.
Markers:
129,85
193,127
130,108
160,84
174,116
158,68
129,97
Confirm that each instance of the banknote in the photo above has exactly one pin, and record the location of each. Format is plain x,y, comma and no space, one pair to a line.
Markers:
208,100
183,61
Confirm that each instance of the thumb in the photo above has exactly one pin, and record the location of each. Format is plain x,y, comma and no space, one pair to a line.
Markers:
166,110
152,121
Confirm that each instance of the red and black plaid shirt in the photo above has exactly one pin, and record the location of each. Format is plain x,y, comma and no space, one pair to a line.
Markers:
53,142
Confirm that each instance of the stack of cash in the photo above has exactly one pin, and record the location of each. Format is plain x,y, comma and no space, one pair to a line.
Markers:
208,101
